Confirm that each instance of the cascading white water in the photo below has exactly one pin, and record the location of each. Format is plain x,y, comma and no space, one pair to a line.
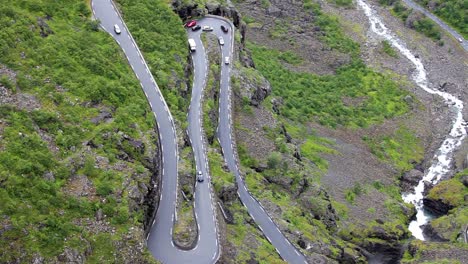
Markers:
443,157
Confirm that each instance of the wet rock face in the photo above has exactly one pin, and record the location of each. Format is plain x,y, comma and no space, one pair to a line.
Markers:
387,253
432,234
436,207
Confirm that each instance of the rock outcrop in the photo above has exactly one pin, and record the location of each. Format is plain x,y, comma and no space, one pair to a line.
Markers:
189,10
436,206
410,179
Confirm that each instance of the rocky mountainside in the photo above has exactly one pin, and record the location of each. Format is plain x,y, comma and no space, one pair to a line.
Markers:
352,173
329,128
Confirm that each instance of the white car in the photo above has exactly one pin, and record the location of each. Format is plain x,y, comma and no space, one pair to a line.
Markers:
199,176
117,29
460,40
226,60
207,28
221,41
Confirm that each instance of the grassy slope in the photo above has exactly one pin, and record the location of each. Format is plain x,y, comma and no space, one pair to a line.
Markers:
356,96
421,23
163,41
72,72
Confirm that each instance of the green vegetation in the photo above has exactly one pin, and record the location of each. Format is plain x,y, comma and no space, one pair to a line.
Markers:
454,12
356,190
356,96
450,192
346,3
314,146
420,251
163,41
289,57
401,148
388,49
7,83
73,70
334,35
415,20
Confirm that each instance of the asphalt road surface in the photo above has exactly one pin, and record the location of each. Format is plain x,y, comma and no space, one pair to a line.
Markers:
441,23
160,242
160,239
286,250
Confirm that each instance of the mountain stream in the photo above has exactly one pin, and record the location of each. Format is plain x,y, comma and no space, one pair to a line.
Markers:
441,163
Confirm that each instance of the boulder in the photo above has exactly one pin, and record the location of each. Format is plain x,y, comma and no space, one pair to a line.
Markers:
464,180
297,153
410,179
228,193
276,104
260,167
262,90
102,116
49,176
465,162
302,243
427,187
246,59
431,233
280,180
71,256
138,145
286,134
37,259
44,27
99,215
274,11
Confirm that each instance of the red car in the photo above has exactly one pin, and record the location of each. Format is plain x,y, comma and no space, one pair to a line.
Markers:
191,23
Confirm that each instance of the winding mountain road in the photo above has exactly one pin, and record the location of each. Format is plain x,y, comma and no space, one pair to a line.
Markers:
284,248
437,20
160,239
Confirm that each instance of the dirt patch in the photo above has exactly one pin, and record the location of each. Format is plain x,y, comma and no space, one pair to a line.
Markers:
286,27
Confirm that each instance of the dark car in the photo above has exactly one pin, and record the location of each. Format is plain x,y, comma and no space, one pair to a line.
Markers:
195,28
224,29
191,23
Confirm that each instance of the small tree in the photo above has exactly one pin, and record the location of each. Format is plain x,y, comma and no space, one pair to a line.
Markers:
274,160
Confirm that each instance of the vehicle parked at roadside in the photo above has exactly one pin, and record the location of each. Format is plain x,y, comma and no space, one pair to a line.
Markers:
224,29
207,28
221,41
191,23
197,27
192,45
